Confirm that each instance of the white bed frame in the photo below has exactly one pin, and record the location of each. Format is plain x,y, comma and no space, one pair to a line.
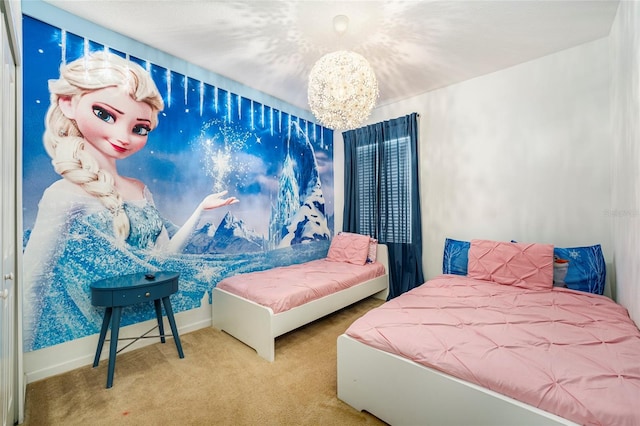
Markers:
257,326
402,392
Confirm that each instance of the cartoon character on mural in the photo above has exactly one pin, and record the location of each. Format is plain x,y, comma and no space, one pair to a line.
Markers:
103,108
87,219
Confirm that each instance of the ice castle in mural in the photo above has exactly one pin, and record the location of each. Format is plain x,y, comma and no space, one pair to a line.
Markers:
297,210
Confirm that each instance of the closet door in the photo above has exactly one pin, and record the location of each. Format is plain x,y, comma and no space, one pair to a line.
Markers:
8,324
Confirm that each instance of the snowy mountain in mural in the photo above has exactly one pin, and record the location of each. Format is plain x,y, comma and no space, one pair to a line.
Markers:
231,236
297,210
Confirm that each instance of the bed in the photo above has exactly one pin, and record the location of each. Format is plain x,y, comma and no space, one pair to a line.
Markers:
257,307
500,346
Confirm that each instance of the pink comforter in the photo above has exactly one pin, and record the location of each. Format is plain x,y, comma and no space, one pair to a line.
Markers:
286,287
571,353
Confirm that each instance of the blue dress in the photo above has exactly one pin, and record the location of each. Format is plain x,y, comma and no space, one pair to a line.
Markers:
72,244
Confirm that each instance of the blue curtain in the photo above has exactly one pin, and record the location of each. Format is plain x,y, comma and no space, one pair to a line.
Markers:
382,195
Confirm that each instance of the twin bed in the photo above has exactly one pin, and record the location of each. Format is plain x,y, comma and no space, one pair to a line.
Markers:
257,307
500,346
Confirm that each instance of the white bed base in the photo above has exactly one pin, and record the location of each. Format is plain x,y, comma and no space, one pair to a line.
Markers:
402,392
257,326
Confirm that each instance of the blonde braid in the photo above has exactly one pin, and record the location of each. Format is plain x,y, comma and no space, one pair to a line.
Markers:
64,142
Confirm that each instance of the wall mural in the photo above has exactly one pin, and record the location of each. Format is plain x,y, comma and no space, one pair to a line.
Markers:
132,167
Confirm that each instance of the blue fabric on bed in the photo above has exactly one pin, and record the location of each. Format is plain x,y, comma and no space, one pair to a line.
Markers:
456,257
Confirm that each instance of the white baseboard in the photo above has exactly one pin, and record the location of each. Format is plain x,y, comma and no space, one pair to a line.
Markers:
77,353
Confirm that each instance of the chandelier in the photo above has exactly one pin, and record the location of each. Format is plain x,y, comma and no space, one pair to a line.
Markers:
342,87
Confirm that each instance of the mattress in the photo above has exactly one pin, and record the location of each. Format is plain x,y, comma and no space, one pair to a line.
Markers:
571,353
286,287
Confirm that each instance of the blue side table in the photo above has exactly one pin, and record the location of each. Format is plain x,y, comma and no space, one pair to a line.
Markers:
117,292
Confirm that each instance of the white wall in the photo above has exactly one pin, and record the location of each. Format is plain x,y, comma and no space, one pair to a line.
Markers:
523,153
625,107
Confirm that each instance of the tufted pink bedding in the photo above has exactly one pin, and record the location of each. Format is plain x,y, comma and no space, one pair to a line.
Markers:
286,287
571,353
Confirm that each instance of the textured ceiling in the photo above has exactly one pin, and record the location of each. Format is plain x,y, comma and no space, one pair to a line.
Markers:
413,46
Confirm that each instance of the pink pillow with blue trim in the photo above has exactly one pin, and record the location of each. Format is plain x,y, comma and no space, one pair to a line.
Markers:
518,264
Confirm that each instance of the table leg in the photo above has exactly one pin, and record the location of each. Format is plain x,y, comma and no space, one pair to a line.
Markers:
113,346
103,334
172,323
156,303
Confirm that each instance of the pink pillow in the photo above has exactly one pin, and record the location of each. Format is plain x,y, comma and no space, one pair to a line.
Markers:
349,247
373,250
518,264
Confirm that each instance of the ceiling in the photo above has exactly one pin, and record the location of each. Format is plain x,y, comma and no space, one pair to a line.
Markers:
413,46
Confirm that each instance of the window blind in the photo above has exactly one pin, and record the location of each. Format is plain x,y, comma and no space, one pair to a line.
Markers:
385,203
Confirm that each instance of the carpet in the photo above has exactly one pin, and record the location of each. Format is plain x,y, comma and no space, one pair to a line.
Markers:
221,381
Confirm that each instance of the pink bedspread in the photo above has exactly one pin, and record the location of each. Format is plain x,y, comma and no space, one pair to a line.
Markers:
571,353
286,287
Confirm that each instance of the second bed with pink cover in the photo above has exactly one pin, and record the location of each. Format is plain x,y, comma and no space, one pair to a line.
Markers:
505,328
287,287
257,307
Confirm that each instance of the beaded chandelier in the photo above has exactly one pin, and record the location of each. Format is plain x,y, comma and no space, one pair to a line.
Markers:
342,87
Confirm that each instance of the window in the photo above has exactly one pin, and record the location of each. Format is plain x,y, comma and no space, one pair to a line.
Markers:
385,211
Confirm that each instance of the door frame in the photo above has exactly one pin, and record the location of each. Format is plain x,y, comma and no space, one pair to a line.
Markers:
11,14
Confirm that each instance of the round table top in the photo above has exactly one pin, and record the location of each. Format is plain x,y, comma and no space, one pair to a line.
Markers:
134,280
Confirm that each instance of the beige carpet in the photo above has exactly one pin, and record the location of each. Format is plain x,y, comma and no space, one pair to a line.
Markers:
220,381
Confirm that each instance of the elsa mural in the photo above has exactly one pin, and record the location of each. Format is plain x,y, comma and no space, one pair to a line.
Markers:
103,108
94,222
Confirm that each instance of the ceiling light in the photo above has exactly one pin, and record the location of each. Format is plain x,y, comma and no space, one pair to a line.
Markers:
342,87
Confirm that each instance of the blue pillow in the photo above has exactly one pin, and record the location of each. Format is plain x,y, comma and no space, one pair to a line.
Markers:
586,269
456,257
